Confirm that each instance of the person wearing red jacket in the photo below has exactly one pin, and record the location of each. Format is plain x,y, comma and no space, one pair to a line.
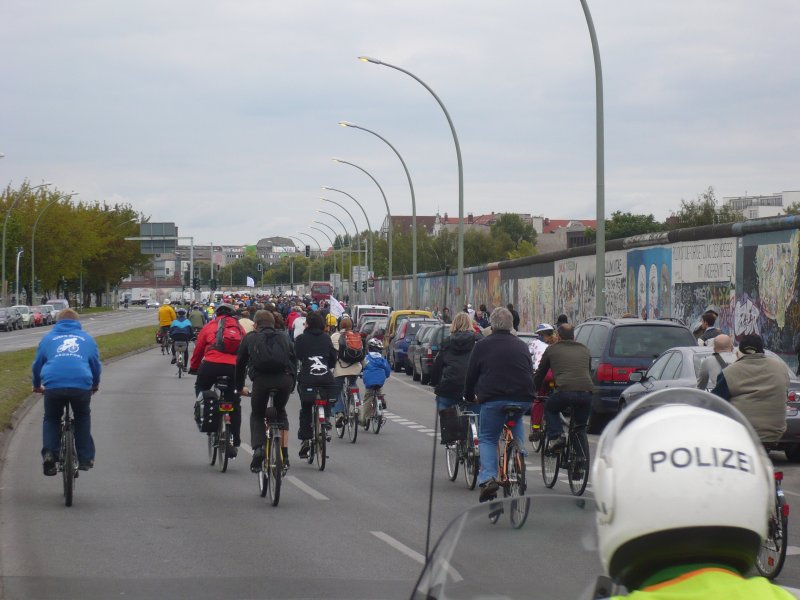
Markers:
209,363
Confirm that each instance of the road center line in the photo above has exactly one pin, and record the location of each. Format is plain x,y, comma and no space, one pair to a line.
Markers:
306,488
416,426
412,554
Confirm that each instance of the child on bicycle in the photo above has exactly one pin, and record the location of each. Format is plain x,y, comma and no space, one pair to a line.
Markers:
376,371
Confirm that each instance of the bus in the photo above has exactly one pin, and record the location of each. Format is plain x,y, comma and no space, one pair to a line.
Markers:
321,290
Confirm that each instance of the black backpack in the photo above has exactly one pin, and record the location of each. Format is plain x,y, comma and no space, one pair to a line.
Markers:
269,353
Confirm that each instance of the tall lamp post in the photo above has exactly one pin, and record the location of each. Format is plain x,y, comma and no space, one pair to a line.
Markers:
19,253
460,278
320,254
388,216
33,240
350,275
369,226
413,208
358,245
600,245
5,226
341,248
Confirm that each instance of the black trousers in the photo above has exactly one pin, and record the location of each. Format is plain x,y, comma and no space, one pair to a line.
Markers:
207,376
305,430
282,383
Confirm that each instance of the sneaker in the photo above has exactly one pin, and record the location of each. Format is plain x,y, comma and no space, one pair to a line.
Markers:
557,444
173,361
304,448
285,453
339,420
85,465
258,460
489,490
49,464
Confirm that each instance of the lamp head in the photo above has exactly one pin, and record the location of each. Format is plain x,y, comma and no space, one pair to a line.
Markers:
368,59
337,160
324,187
345,124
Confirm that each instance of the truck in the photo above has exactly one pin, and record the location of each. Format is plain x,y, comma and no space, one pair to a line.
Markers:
137,296
321,290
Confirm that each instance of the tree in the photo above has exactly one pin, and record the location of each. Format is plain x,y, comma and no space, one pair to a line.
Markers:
703,211
625,224
518,230
792,209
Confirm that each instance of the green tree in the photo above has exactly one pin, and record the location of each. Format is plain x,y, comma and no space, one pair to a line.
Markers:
626,224
792,209
518,230
703,211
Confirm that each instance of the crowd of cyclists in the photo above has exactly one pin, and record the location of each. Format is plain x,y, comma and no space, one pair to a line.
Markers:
666,439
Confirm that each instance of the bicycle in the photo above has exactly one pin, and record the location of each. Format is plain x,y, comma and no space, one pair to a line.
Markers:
465,450
377,403
317,449
165,341
352,408
272,469
537,429
68,456
772,553
180,348
511,473
220,442
574,457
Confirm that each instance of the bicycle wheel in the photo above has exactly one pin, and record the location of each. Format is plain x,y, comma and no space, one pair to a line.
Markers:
263,473
578,462
321,450
352,419
224,440
516,488
377,423
451,456
471,462
212,448
68,465
772,553
274,467
551,461
341,426
537,442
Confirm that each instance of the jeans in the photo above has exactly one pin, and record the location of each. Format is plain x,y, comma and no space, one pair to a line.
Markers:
55,400
492,419
581,403
442,402
345,380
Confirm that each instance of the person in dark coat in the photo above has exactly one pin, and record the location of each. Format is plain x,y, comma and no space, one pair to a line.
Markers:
450,365
514,316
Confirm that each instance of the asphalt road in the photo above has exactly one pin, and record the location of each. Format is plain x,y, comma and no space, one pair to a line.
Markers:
96,324
153,519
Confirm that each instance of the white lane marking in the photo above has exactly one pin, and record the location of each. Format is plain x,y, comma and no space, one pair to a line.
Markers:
306,488
792,550
413,554
416,426
785,491
432,434
426,430
247,448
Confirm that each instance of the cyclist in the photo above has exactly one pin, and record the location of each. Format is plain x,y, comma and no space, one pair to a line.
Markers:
210,362
757,385
683,488
450,365
317,358
166,315
67,369
180,330
500,374
570,362
376,370
268,357
198,318
349,364
547,337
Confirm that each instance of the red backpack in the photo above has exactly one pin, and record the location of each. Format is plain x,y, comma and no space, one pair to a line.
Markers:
351,348
229,335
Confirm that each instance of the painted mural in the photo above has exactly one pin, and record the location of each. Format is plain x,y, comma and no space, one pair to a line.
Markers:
649,282
574,287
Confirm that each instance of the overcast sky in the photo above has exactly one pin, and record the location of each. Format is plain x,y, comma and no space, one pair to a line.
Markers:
222,116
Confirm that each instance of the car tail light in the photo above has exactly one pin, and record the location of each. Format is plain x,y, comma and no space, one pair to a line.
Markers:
778,475
429,353
791,396
607,373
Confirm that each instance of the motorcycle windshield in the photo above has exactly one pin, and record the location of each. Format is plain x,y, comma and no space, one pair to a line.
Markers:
552,555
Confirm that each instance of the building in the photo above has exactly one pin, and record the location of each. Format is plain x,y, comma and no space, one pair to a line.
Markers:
271,249
560,234
757,207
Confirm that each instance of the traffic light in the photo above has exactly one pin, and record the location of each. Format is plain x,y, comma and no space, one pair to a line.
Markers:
363,286
308,251
212,284
195,284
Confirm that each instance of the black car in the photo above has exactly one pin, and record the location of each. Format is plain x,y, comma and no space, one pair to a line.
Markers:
10,319
407,333
619,347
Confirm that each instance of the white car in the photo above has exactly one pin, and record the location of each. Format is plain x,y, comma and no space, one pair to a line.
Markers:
25,312
152,304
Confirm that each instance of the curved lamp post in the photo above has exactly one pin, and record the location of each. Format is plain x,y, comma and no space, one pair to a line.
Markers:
460,279
369,226
358,244
413,207
5,226
600,244
33,239
341,248
320,252
349,278
389,216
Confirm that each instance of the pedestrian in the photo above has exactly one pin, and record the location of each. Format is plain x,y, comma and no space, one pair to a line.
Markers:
709,327
446,316
449,369
713,365
514,315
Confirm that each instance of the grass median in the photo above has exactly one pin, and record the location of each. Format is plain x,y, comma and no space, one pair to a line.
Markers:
15,367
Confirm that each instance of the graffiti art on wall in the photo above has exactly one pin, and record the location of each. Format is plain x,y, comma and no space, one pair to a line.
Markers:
776,265
574,288
616,301
652,270
535,303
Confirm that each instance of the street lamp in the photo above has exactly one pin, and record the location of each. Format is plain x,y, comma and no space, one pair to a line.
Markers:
5,226
33,240
460,278
413,208
325,233
388,215
600,237
358,244
369,226
320,252
302,243
350,275
19,253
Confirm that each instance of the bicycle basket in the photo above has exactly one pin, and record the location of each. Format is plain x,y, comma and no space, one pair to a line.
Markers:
454,425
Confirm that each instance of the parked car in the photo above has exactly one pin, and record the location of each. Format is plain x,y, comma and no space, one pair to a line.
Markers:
37,316
406,334
59,304
361,310
415,348
618,347
396,319
429,348
679,367
25,312
10,319
50,312
369,325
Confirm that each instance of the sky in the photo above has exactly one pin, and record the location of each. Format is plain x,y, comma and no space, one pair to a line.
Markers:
222,116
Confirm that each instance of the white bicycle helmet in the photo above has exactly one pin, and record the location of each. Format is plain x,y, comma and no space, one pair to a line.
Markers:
167,301
375,345
680,477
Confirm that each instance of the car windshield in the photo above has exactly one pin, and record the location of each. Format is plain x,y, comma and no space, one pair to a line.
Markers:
648,340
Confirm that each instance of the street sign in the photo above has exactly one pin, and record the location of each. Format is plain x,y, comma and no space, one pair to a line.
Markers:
371,281
158,238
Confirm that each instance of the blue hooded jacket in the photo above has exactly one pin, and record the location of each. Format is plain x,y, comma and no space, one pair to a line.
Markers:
376,370
67,358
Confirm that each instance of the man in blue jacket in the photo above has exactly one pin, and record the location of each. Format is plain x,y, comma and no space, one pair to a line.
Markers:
67,369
